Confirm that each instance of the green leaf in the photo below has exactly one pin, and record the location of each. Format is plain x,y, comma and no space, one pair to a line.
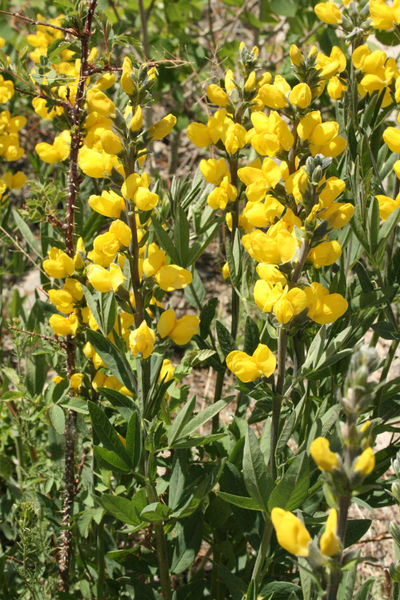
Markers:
187,543
156,512
257,479
241,501
195,293
373,225
164,240
288,8
134,439
92,304
109,311
207,314
181,237
251,336
292,490
57,418
106,432
26,233
111,356
180,420
356,528
202,417
226,341
123,509
110,460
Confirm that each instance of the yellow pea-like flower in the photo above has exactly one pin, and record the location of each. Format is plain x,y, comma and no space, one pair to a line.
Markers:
325,254
122,232
248,368
382,14
111,142
328,12
387,205
109,204
391,136
329,542
291,533
137,120
323,456
104,280
173,277
324,307
59,264
199,134
214,170
291,303
162,127
180,330
365,463
272,96
76,381
217,95
64,325
296,57
141,340
99,102
301,95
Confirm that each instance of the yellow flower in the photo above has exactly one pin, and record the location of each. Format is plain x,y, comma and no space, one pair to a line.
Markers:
325,254
162,127
273,96
214,170
391,136
167,371
199,134
291,303
76,381
64,325
94,163
105,81
99,102
121,231
328,12
248,368
329,542
173,277
336,88
382,15
111,142
59,264
365,463
217,95
324,307
387,205
56,152
141,340
180,330
137,120
221,195
290,532
301,95
6,90
109,204
103,280
324,458
296,57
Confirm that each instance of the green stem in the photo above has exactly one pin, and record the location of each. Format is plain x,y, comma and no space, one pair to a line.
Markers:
219,384
262,551
161,542
100,560
335,575
277,398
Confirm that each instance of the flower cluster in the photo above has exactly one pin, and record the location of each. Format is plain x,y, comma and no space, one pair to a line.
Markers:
282,201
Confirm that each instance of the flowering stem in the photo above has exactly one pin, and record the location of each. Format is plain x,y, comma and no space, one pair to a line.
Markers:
262,551
335,575
65,551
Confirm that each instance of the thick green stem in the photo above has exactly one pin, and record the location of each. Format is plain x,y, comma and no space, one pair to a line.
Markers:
262,551
219,384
